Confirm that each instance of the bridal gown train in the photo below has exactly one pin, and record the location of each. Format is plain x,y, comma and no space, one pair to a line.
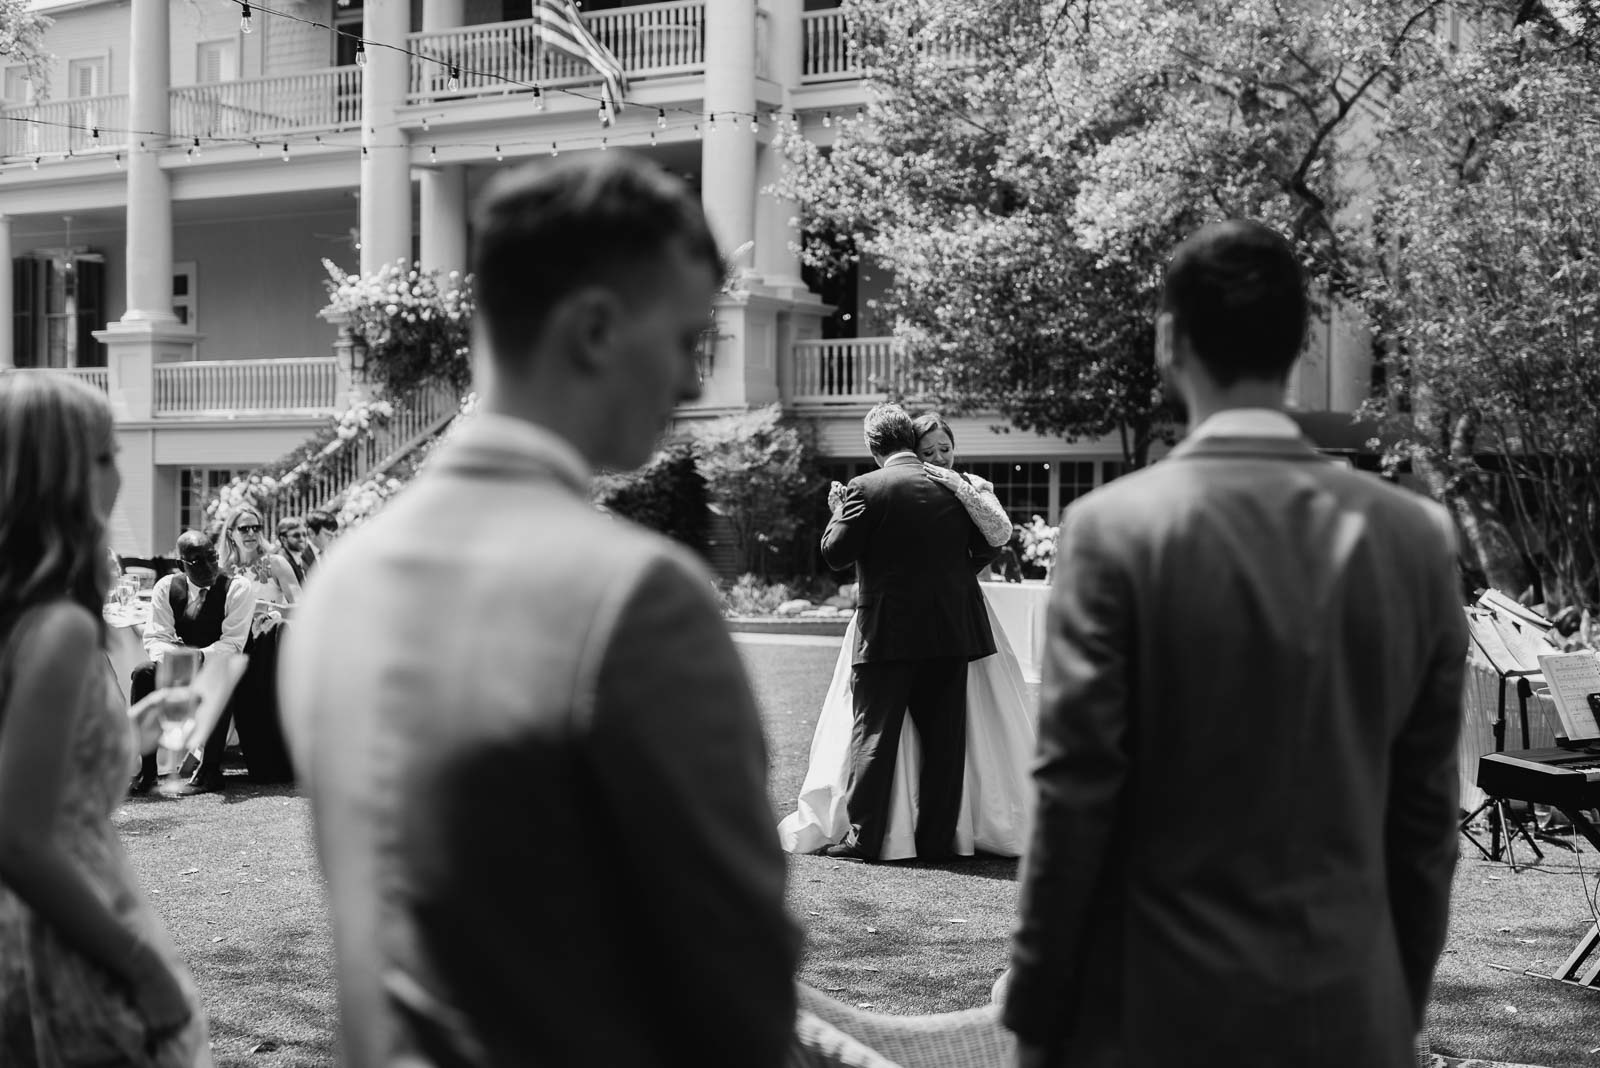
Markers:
997,796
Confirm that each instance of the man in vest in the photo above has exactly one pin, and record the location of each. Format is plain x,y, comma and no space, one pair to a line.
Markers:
197,608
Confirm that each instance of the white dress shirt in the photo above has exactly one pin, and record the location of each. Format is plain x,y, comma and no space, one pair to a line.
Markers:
1247,423
160,634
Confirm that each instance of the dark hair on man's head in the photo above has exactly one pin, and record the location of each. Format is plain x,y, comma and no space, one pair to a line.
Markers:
545,230
1236,292
319,521
888,429
927,423
289,524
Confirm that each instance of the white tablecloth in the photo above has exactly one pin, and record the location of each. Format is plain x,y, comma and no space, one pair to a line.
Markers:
1020,607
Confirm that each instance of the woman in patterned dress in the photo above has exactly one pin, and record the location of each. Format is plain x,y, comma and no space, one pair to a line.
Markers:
88,975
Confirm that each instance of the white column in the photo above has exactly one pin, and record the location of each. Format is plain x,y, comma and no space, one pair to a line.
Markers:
149,192
728,150
385,161
7,331
777,241
444,218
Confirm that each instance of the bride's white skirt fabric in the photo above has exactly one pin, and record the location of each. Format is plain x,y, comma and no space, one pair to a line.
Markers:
997,797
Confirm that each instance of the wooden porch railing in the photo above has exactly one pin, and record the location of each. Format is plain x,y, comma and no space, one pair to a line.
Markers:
827,48
58,126
306,384
651,40
416,419
848,371
98,377
313,100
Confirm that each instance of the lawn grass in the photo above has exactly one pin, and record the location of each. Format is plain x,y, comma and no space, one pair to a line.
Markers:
235,879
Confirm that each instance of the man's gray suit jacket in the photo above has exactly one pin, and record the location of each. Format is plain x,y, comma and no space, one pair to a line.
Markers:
539,783
1247,770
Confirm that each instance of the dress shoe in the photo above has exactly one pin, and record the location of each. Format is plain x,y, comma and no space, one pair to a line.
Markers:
203,782
141,784
844,851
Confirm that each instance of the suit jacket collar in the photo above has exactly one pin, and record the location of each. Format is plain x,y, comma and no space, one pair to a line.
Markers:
902,459
1242,447
486,443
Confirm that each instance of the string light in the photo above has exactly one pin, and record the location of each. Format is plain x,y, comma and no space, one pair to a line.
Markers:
827,119
118,161
712,125
755,125
286,152
424,125
258,148
453,83
553,150
661,118
604,117
603,142
433,154
499,157
361,52
538,99
363,151
196,149
97,133
36,160
652,139
245,25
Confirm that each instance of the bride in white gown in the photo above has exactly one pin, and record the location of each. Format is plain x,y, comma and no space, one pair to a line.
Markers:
997,796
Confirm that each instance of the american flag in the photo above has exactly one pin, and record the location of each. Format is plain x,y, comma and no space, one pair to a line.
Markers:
561,27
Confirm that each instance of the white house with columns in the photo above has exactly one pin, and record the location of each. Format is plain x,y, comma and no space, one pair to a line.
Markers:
168,199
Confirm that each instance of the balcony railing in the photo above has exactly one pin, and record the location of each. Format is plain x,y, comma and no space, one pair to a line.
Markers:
849,371
314,100
212,387
56,127
98,377
827,47
652,40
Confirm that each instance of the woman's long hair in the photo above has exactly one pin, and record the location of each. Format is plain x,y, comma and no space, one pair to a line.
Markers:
927,423
52,541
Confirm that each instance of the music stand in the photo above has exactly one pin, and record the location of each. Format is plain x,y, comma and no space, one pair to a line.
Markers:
1508,653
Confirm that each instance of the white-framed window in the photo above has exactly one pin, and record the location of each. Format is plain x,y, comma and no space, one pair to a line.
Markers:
216,61
18,86
196,486
185,298
86,76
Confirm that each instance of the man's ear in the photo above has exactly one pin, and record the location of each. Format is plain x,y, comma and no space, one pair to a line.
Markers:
1166,343
582,327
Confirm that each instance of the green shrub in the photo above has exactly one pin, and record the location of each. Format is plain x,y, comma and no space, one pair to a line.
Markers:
753,596
668,495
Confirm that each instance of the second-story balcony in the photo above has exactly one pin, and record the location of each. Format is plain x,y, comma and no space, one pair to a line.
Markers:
847,371
651,41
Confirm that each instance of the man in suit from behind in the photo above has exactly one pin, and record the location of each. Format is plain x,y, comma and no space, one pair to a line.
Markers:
320,528
1247,776
921,619
536,767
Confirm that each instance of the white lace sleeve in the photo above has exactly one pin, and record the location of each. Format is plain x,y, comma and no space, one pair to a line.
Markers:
984,508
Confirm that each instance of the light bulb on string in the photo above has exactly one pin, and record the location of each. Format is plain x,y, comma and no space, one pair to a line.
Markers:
36,160
538,99
258,148
196,149
95,133
361,52
652,139
246,24
433,153
604,141
286,152
661,118
118,161
363,151
424,124
499,157
712,125
860,114
827,119
601,112
454,81
553,150
755,124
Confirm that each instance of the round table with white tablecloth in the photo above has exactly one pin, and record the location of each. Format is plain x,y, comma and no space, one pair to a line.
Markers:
1020,608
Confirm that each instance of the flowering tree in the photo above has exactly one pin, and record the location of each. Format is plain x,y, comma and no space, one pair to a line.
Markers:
416,324
1489,300
22,42
1026,173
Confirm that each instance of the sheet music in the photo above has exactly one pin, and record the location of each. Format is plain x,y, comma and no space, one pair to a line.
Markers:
1526,643
1572,678
1499,602
1488,637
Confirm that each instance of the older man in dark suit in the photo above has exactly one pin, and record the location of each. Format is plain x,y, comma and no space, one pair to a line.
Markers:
1247,784
921,619
536,767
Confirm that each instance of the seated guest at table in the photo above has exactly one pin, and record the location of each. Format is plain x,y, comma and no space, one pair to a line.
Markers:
294,545
322,527
195,609
997,794
88,974
253,708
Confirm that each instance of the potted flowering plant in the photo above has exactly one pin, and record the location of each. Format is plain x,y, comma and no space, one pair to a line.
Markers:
415,324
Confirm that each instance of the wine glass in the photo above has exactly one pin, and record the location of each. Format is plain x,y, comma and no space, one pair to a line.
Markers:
176,671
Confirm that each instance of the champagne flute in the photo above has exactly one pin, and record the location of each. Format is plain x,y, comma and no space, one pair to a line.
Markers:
177,671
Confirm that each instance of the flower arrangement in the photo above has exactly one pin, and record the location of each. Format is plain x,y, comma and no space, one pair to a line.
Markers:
416,324
1039,543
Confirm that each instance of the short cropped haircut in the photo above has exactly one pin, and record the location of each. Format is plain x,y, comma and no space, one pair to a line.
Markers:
545,230
1236,291
320,521
290,523
927,423
888,430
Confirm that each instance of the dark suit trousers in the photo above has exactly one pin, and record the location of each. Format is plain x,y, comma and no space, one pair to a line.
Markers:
935,693
141,684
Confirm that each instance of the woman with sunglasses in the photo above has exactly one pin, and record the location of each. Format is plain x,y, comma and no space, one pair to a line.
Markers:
244,552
